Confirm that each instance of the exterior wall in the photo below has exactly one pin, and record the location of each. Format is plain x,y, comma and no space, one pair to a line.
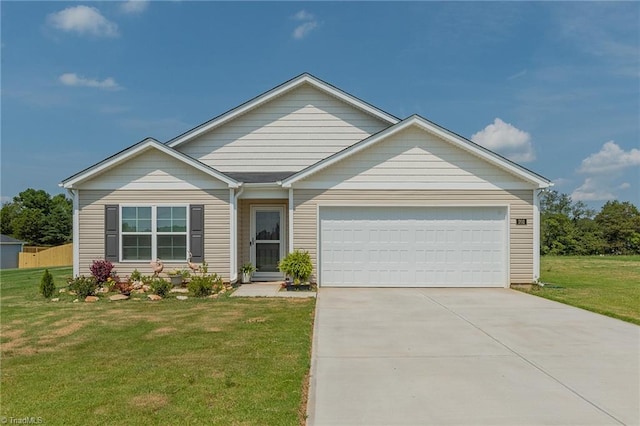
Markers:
244,225
289,133
520,204
216,225
412,159
9,255
153,169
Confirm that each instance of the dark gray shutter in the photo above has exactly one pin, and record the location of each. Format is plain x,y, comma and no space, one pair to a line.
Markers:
111,231
196,232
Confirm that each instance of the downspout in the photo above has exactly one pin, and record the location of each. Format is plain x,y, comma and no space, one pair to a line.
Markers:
233,258
536,234
73,193
290,220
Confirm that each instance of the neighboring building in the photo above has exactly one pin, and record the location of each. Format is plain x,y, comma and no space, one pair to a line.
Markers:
376,200
9,251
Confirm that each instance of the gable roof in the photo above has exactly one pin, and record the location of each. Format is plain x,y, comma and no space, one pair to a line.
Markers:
5,239
416,120
287,86
132,151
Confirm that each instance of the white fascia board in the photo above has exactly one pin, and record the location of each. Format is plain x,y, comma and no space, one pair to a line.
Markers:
274,93
431,128
483,153
137,149
339,156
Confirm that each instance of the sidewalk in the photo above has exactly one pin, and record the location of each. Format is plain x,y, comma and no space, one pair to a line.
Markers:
268,289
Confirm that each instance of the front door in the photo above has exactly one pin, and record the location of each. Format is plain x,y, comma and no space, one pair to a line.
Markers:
267,241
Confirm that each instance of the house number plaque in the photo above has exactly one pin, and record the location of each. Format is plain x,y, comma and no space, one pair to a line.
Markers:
521,221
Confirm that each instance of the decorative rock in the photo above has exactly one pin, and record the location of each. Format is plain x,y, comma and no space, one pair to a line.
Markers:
154,297
117,297
91,299
55,299
181,297
103,290
213,296
179,290
76,301
145,287
137,285
139,291
62,290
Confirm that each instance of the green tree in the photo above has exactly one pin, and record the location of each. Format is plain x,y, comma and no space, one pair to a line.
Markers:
37,218
58,228
619,225
567,227
8,213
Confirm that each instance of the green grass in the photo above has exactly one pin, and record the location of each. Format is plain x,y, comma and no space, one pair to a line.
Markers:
225,361
607,285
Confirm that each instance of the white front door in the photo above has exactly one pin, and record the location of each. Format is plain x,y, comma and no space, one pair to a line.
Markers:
267,241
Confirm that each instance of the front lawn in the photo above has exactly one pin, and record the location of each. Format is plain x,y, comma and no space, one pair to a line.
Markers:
609,285
225,361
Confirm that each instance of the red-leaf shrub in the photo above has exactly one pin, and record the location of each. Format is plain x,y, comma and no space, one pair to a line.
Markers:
101,270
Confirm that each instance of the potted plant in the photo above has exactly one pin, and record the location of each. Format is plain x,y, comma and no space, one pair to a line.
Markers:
177,276
247,271
298,267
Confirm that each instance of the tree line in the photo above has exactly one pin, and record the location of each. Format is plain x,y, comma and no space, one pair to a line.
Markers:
566,227
571,228
37,218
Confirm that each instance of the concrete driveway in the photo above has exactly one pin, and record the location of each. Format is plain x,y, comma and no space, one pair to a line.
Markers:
469,357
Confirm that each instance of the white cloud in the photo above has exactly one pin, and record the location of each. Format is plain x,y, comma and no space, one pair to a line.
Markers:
593,190
73,79
506,140
610,158
308,24
303,15
134,6
603,171
83,20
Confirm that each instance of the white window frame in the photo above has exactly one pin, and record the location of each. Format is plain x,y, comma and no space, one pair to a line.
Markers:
154,232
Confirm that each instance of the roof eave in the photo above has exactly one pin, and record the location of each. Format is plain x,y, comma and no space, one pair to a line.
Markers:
148,143
430,127
275,92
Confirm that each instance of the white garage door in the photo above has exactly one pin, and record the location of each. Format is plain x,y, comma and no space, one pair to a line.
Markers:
413,247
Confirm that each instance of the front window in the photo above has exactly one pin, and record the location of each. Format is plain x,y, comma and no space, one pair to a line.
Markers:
150,232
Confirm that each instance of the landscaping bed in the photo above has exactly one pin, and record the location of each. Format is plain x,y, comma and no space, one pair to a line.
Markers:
200,360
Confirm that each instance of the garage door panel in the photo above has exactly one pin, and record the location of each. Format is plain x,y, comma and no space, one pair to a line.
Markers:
388,246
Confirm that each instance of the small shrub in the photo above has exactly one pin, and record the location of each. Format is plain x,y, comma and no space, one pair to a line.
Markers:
160,287
136,275
101,270
47,287
83,286
204,285
297,265
123,287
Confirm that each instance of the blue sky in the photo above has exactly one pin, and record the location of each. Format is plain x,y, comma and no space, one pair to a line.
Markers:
553,86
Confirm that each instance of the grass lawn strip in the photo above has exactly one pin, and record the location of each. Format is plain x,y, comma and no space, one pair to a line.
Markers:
225,361
609,285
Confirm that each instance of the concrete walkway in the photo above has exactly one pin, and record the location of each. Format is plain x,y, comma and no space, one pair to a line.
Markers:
469,357
268,289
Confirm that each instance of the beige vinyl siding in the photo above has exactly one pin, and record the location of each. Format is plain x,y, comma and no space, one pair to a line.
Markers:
289,133
415,159
216,225
244,225
520,204
153,169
